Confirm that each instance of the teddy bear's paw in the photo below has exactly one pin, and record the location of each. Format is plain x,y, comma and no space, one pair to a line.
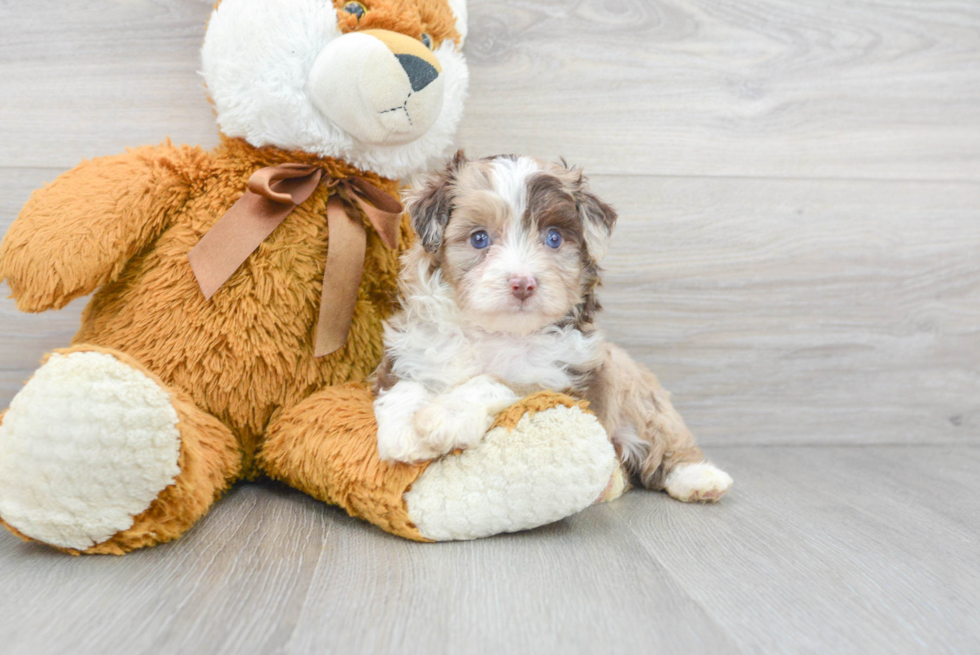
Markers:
86,445
448,424
551,464
692,483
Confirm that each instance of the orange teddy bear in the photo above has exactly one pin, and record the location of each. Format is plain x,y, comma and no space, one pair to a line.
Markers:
239,300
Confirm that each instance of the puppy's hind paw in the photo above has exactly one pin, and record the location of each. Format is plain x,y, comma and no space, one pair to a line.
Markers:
692,483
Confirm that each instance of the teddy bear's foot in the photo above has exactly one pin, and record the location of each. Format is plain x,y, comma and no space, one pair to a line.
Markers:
97,455
545,458
537,466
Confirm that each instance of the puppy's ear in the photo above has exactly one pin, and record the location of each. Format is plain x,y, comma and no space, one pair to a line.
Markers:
431,204
598,218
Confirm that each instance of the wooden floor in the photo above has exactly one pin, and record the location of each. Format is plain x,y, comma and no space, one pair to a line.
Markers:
818,550
798,259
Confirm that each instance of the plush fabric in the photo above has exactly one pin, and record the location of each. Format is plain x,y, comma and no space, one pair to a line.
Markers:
240,369
95,480
256,60
518,477
258,327
327,447
545,458
209,461
184,395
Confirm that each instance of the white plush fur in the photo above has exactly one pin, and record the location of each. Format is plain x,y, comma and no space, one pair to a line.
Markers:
256,61
459,9
553,464
86,445
697,482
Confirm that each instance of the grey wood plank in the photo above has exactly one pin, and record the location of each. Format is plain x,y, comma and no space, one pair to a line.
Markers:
874,89
83,79
246,581
579,586
774,88
234,584
778,311
818,550
802,311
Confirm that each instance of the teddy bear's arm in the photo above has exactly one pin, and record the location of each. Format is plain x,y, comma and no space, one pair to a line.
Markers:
78,232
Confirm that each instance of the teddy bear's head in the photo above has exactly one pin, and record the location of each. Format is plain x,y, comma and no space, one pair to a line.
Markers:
379,83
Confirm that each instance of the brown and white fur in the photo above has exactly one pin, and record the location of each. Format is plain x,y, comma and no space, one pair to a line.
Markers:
489,319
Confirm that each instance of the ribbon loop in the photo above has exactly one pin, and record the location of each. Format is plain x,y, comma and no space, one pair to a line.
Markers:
382,211
273,193
286,184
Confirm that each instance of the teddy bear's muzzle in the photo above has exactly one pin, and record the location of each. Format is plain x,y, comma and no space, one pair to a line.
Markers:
381,87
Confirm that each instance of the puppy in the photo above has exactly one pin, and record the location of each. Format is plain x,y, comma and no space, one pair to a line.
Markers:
498,299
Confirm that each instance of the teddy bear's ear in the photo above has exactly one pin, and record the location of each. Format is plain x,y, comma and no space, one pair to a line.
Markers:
431,204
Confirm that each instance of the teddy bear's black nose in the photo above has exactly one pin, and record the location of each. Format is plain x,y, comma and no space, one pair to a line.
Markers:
420,72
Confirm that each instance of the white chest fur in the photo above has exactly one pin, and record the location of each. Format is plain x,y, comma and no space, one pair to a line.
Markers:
442,356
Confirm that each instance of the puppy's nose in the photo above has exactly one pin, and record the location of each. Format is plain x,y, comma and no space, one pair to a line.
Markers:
420,72
523,287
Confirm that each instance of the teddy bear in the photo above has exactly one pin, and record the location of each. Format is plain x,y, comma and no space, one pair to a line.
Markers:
239,299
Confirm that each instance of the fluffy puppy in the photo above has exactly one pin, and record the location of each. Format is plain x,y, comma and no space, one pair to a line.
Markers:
498,299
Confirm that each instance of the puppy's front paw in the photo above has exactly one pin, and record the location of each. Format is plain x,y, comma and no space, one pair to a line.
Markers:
401,443
693,483
448,424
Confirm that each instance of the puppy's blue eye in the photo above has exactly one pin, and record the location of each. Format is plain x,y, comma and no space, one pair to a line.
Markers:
553,240
480,240
426,41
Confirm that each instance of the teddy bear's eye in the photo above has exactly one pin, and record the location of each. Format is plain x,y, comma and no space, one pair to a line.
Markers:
355,9
426,41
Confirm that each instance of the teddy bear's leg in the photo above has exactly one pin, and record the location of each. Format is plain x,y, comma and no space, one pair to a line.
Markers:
97,455
545,458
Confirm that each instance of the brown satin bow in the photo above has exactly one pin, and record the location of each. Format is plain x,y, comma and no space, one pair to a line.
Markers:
273,193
